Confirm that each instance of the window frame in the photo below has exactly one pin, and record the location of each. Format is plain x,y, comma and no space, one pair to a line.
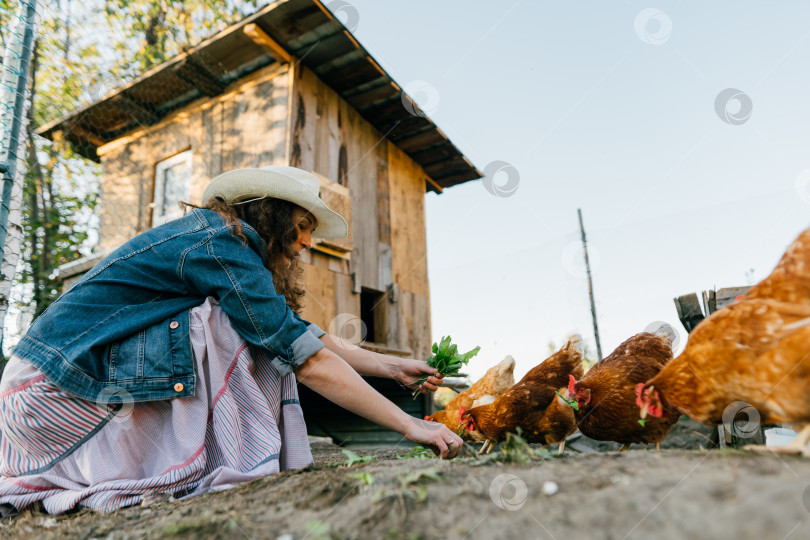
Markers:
158,218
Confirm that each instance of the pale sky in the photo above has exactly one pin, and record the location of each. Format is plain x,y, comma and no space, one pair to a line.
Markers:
598,110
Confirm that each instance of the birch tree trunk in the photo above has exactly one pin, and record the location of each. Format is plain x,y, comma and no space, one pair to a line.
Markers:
11,255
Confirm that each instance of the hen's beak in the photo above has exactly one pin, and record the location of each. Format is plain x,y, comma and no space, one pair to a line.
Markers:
643,415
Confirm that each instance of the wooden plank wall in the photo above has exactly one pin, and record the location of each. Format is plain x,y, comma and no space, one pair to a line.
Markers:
409,250
388,215
244,127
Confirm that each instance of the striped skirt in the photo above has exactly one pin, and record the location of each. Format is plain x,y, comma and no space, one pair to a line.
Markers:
243,423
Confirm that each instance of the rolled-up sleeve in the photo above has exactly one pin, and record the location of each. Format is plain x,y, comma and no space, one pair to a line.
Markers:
227,269
312,327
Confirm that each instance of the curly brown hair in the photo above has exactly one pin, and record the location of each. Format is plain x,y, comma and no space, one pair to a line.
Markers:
273,220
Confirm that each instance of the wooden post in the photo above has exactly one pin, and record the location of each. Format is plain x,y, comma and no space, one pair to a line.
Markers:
590,287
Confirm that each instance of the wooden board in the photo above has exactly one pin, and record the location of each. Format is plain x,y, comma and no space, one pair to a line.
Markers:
338,198
345,300
728,295
362,181
319,302
304,120
414,324
408,234
689,312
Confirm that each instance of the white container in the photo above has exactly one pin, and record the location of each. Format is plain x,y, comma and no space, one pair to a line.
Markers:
779,436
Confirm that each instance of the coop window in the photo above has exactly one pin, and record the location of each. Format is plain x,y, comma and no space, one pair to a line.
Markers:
172,181
372,313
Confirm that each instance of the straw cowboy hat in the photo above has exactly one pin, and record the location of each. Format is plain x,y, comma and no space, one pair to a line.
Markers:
279,182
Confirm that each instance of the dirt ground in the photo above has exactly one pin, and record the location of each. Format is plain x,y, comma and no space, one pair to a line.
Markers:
402,494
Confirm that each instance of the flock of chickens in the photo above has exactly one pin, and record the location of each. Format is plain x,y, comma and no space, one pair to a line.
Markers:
756,350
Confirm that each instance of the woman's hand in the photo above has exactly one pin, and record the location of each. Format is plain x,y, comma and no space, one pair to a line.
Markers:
443,442
409,371
329,375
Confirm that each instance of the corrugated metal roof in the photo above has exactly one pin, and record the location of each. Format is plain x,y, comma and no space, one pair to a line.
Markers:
309,32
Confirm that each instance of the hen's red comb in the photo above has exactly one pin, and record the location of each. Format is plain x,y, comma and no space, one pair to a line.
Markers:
572,387
427,417
461,413
639,397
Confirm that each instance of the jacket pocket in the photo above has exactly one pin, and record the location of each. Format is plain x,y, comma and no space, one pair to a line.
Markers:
148,354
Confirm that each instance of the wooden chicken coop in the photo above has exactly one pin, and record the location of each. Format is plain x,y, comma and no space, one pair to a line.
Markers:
288,85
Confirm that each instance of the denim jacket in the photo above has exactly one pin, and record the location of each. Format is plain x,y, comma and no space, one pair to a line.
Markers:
125,325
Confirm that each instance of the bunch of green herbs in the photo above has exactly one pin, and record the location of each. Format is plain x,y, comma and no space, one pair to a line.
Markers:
446,359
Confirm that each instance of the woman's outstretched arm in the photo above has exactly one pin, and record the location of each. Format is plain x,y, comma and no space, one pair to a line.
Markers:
329,375
374,364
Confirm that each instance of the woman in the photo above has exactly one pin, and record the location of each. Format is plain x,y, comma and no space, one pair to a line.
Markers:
171,367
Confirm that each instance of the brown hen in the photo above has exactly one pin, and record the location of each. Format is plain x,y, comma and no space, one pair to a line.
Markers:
524,404
754,352
605,395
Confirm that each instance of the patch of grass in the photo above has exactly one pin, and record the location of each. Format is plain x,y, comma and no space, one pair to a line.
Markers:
418,452
353,458
396,533
410,486
428,475
364,477
318,530
514,449
190,527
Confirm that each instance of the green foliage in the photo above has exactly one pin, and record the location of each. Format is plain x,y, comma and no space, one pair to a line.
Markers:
418,452
426,475
353,458
6,15
319,530
365,478
410,486
514,449
157,30
446,359
60,189
571,402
